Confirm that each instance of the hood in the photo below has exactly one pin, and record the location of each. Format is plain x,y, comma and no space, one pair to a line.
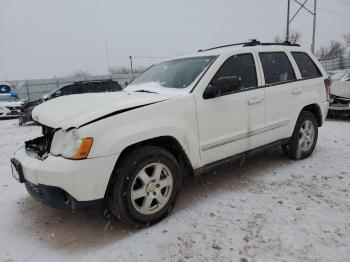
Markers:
77,110
340,88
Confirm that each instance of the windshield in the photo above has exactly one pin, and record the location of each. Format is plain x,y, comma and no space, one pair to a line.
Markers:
172,76
8,99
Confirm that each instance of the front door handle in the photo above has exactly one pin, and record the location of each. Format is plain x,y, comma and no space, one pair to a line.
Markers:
296,91
255,100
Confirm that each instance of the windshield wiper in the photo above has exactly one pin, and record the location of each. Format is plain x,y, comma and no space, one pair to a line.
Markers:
146,91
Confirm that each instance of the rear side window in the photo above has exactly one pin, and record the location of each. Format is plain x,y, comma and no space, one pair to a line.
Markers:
241,66
307,67
277,67
110,86
90,87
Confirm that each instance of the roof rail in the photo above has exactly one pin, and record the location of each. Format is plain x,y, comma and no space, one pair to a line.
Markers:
252,42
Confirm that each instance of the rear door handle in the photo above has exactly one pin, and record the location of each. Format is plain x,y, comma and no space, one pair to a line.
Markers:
255,100
296,91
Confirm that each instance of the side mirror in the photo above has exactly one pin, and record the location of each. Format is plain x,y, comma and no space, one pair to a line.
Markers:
222,86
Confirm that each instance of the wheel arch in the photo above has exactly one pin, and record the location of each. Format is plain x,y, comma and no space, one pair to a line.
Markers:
315,109
169,143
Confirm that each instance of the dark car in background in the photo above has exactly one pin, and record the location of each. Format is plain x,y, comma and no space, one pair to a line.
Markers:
94,86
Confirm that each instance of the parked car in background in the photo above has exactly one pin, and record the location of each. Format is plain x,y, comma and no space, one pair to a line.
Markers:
181,117
5,88
95,86
340,94
341,75
10,105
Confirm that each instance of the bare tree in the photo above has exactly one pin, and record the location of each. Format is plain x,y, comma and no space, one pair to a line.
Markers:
81,74
294,38
125,70
335,49
322,53
347,39
119,70
347,42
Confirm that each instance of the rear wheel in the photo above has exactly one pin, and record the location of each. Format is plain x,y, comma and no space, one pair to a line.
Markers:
144,186
304,138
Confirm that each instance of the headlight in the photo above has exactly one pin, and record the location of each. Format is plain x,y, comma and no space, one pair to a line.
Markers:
69,144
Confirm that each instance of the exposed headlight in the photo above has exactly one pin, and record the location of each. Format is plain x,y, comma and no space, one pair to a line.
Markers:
69,144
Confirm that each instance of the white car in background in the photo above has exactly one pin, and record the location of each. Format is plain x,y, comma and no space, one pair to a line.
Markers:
181,117
340,94
10,106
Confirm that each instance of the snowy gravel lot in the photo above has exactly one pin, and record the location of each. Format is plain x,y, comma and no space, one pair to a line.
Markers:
267,208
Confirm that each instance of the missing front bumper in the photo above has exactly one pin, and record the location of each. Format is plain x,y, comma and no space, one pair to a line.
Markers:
56,197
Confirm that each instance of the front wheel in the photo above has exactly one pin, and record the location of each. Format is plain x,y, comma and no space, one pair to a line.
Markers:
144,186
304,138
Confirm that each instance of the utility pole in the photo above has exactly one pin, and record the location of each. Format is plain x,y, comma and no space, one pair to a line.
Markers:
107,55
314,28
288,22
302,5
132,71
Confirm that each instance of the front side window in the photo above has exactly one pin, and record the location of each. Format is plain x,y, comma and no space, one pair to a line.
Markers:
240,66
277,68
171,76
306,66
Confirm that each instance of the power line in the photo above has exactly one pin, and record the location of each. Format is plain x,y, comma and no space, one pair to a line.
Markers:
343,2
334,13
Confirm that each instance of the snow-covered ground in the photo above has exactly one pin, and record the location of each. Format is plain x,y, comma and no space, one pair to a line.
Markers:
267,208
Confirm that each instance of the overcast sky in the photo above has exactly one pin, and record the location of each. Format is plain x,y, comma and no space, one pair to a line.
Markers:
44,38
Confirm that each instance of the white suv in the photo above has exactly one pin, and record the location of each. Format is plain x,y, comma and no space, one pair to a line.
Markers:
130,149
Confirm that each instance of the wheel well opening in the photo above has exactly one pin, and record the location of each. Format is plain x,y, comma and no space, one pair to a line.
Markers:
316,111
169,143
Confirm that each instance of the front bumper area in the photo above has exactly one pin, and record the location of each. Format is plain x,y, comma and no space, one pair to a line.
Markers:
81,180
58,198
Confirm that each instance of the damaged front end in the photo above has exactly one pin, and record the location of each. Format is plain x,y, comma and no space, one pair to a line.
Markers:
40,146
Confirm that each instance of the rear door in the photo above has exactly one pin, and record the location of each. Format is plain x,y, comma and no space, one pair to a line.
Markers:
280,91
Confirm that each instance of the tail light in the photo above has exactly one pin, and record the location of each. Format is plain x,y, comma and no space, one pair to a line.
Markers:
327,84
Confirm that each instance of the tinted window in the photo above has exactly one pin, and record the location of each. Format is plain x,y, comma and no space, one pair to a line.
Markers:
89,88
110,86
306,66
241,66
67,90
277,67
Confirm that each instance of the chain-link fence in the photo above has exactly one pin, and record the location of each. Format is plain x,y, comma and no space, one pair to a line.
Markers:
336,63
34,89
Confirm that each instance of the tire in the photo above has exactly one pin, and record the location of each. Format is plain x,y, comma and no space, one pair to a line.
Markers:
302,144
137,170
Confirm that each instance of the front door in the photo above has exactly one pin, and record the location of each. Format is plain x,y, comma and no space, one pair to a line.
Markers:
229,123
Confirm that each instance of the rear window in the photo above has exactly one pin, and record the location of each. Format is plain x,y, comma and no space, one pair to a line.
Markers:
277,67
307,67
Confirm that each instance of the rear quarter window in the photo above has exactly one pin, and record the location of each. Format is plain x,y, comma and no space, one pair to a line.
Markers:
307,67
277,67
